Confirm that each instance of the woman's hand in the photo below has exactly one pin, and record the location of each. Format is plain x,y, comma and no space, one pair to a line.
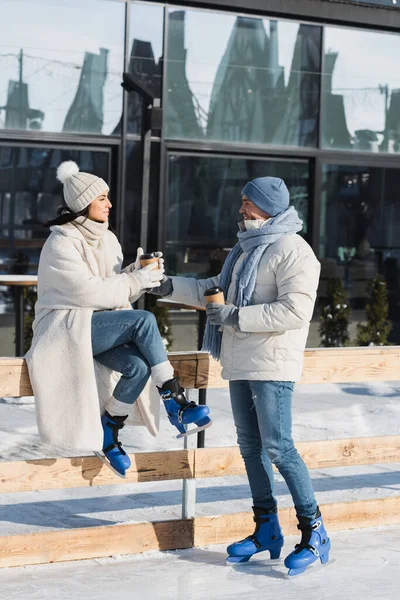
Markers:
148,277
136,266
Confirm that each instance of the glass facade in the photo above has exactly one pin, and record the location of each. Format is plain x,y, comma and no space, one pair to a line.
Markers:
61,65
30,195
361,91
360,231
243,96
146,39
132,199
249,80
204,199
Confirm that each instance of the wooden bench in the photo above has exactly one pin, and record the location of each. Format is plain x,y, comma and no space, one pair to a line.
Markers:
197,371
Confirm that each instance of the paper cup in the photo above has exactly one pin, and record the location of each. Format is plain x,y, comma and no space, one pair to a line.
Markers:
215,294
148,259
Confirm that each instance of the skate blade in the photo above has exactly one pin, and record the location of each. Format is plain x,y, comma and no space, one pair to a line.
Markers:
260,560
105,460
316,565
193,431
236,560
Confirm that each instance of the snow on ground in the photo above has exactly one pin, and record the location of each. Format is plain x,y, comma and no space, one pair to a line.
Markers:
328,411
364,564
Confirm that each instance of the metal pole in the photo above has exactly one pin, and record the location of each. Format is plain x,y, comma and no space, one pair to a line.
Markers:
146,163
22,120
19,320
189,485
202,393
146,149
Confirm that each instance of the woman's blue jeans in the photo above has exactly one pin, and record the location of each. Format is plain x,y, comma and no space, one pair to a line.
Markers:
262,412
127,341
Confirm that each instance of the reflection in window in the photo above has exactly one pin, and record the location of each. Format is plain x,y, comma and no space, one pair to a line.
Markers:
146,44
361,91
204,197
360,231
30,195
248,80
133,200
61,65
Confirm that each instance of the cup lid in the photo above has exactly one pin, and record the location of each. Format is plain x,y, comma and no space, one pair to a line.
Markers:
148,256
213,291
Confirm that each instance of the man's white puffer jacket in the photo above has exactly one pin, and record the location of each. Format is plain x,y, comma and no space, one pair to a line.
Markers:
270,341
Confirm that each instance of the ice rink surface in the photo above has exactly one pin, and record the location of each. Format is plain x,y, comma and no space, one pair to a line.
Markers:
364,565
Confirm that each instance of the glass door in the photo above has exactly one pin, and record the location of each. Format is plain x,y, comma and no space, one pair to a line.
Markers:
204,197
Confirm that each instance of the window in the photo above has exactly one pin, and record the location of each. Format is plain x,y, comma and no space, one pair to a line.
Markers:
30,195
248,79
133,199
361,91
204,197
360,231
61,65
146,49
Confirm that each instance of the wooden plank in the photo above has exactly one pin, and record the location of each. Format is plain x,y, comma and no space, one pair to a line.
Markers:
199,370
185,366
94,542
224,529
65,473
14,378
97,542
324,454
346,365
209,373
85,471
326,365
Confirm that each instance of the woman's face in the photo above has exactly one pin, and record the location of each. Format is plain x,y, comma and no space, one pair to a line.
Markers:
99,208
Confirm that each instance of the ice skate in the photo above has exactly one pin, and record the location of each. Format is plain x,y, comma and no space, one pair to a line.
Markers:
267,536
113,455
182,413
315,544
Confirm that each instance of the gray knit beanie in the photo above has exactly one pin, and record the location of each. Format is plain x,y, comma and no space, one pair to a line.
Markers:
80,189
269,194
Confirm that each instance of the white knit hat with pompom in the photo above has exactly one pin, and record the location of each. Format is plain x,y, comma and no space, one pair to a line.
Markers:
80,189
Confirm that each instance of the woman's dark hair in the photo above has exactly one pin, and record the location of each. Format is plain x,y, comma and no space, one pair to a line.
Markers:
65,215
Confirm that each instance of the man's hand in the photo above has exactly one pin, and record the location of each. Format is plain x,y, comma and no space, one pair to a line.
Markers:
165,288
223,314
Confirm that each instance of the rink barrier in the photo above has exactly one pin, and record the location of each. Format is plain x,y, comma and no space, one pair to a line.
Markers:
197,371
136,538
198,463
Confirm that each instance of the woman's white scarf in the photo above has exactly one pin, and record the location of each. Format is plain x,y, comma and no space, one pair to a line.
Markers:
94,233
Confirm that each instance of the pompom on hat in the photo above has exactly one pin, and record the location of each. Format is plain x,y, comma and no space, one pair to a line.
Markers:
80,189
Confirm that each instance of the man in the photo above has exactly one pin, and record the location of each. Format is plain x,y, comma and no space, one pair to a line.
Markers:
270,280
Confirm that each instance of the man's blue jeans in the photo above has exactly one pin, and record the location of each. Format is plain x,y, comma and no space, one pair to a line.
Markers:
127,341
262,412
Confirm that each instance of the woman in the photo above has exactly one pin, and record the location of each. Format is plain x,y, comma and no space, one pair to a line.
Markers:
83,312
270,278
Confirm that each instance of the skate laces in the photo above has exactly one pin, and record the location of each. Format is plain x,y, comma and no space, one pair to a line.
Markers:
252,537
115,426
183,408
306,532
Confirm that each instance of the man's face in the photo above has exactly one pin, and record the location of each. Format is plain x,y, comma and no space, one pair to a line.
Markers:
250,212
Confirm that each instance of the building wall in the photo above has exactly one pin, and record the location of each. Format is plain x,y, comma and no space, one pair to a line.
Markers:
308,91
